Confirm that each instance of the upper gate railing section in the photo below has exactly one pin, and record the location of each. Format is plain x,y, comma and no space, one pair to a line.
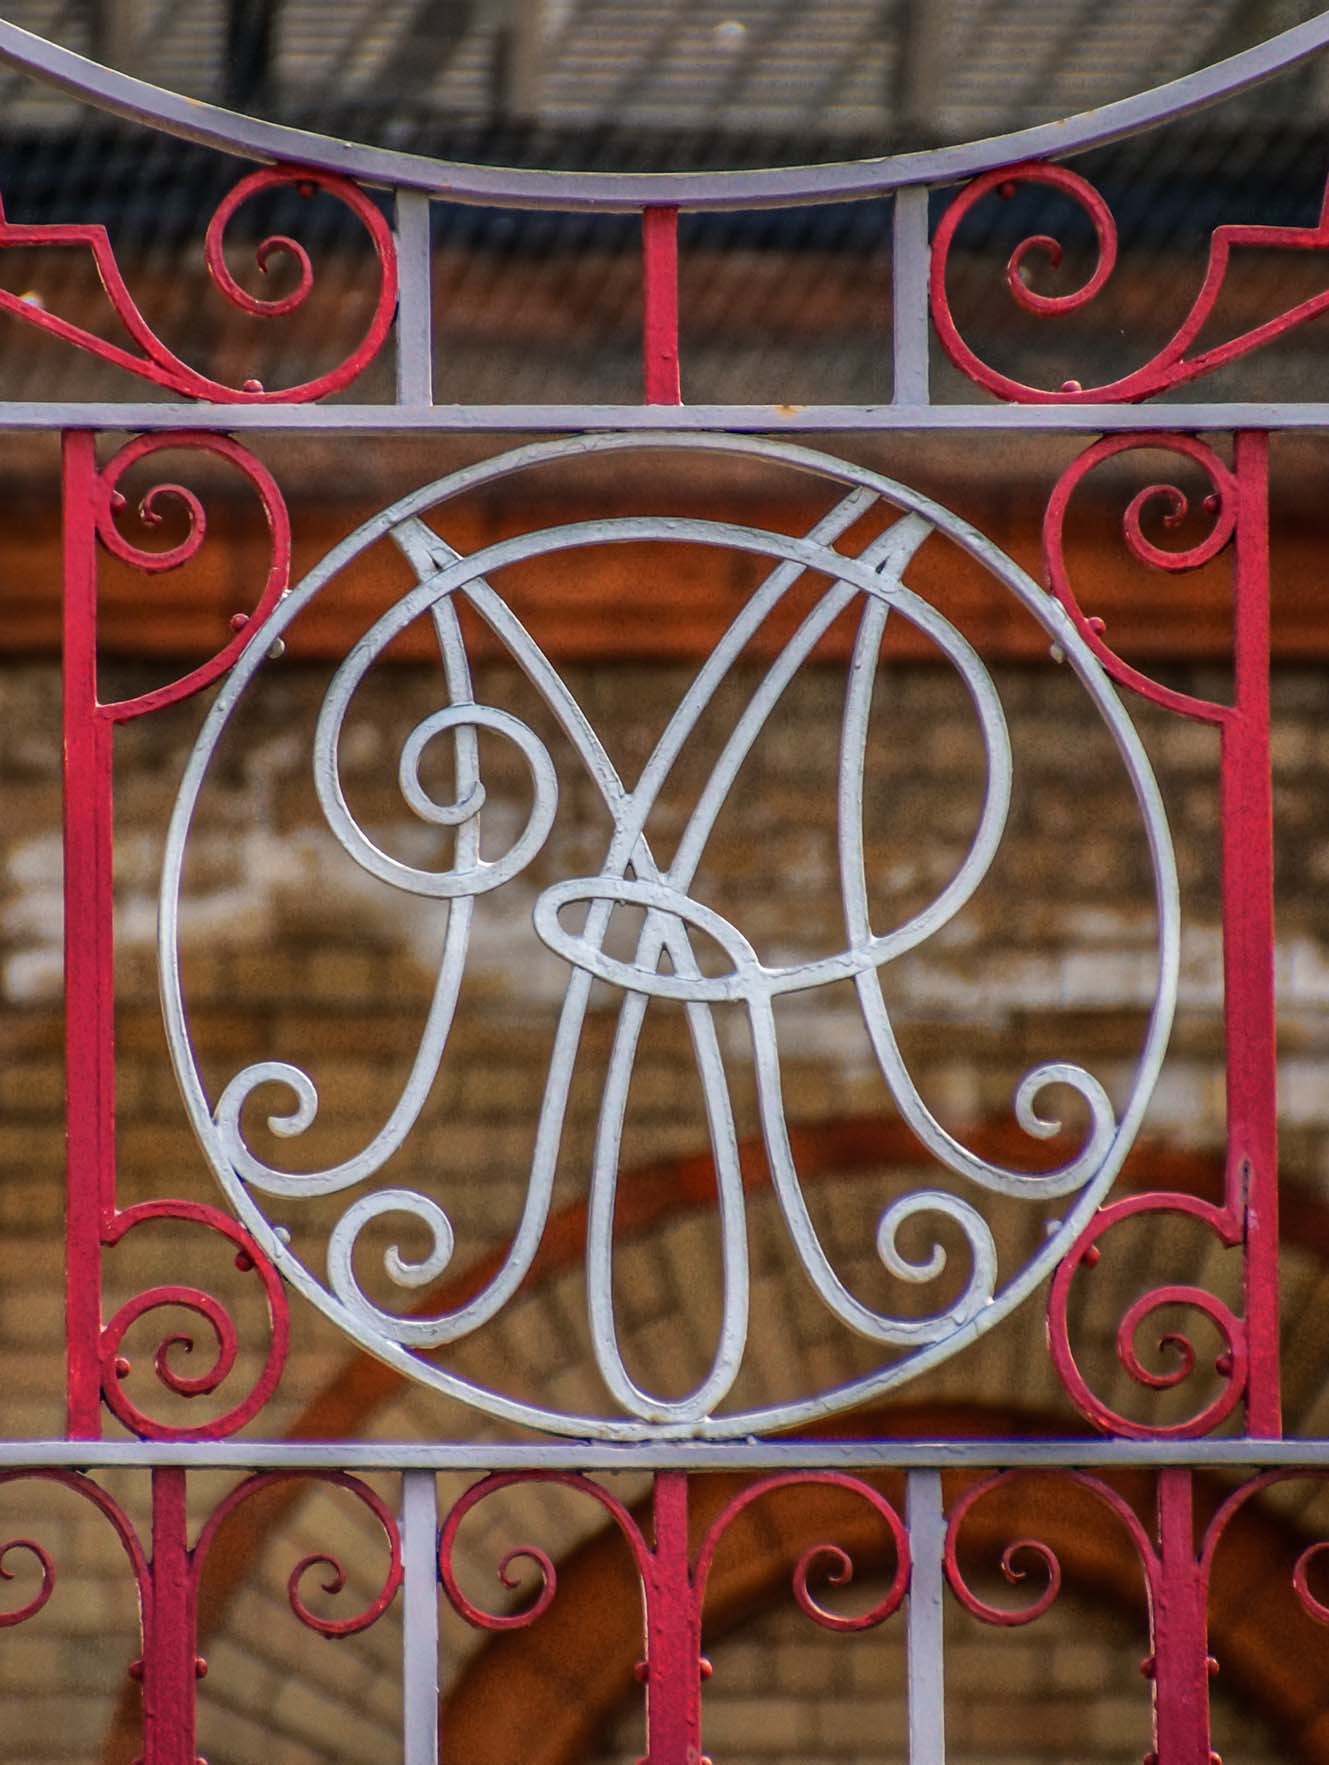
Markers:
402,307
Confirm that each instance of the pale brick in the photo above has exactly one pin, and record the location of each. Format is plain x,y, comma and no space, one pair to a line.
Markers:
767,1726
341,975
30,1318
1078,1665
1185,746
31,1088
54,1727
878,1664
980,1670
30,1664
1291,745
860,1725
1114,1724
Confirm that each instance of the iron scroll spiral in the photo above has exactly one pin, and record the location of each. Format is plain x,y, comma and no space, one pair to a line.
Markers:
154,360
1182,358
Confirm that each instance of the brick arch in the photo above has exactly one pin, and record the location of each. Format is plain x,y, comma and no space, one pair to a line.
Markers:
651,1197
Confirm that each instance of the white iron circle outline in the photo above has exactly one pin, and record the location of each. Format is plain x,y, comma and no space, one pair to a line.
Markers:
1043,608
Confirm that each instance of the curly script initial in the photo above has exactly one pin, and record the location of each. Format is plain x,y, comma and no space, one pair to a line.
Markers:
663,965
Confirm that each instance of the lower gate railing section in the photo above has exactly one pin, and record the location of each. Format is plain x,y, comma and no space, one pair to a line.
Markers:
923,1525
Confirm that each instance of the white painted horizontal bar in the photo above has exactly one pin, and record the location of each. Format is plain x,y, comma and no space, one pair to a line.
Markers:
772,419
741,1455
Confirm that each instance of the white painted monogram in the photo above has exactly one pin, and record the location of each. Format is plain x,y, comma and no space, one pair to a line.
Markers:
663,965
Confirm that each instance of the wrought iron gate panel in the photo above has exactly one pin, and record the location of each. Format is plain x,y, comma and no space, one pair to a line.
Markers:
680,1441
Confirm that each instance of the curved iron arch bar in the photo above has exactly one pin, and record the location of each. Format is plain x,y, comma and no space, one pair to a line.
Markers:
251,138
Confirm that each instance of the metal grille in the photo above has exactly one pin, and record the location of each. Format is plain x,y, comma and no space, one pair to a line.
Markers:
994,1223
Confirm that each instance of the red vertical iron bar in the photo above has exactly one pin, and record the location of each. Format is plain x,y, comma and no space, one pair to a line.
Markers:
659,246
1179,1667
1248,941
170,1665
673,1633
88,928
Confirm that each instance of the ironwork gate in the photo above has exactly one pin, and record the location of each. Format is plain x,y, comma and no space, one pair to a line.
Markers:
678,1440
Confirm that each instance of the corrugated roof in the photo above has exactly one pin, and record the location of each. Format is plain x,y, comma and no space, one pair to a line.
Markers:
886,70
